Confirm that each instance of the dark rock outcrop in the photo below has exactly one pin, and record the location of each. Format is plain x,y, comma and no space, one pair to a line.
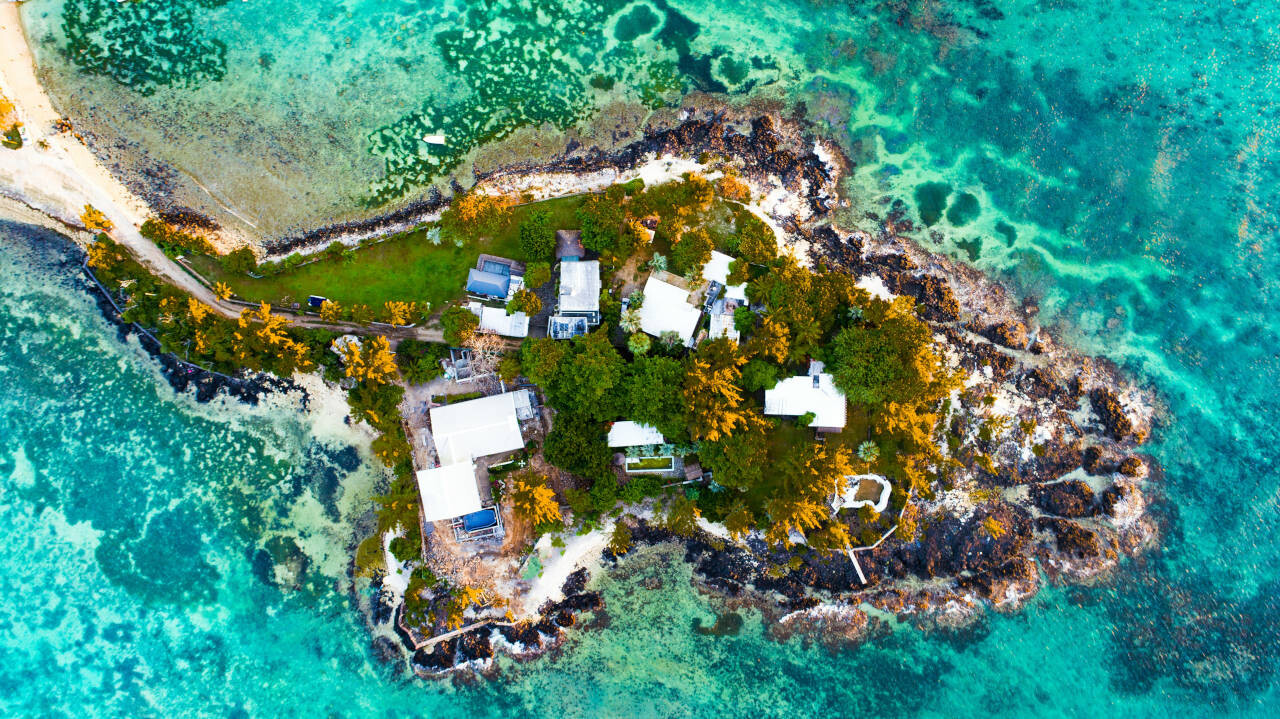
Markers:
1107,406
1071,498
1071,538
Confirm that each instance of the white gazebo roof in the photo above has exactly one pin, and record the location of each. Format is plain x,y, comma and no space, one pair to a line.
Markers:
717,270
496,319
580,286
632,434
666,308
849,500
449,491
815,393
476,428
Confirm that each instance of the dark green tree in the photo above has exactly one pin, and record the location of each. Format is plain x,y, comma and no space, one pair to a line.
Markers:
537,237
654,396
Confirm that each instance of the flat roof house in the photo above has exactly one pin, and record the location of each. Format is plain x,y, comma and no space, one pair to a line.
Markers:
815,392
449,491
496,320
476,428
462,433
666,308
488,284
578,303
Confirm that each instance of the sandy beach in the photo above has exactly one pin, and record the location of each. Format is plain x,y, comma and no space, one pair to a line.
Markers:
55,175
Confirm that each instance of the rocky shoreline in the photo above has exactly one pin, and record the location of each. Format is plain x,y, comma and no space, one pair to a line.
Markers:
766,150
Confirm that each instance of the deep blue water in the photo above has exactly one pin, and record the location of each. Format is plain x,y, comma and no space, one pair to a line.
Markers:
1111,161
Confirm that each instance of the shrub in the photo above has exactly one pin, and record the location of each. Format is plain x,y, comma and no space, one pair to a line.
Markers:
537,274
173,240
94,220
239,261
459,324
537,238
639,344
524,300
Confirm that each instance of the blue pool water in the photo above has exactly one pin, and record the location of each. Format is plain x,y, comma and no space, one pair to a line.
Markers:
483,519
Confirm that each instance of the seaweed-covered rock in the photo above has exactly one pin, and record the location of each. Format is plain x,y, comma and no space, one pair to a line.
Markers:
523,634
1071,538
1041,383
1112,496
1071,498
1009,334
1091,461
576,583
1107,406
475,645
998,584
1132,467
443,655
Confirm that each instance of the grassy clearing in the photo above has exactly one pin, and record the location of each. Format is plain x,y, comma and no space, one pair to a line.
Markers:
649,463
406,268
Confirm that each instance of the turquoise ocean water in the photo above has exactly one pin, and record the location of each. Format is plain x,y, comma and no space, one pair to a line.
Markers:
1112,161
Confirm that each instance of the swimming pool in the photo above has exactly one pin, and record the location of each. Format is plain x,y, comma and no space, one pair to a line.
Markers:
483,519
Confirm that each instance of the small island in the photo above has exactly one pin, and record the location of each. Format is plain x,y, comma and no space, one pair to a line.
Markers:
671,343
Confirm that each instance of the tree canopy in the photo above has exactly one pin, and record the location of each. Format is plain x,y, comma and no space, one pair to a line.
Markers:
654,396
537,236
889,359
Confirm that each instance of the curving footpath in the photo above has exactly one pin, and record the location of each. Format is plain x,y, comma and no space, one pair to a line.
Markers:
55,175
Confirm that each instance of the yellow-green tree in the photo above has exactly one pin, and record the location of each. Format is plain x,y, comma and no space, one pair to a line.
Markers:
771,340
260,335
682,516
330,311
369,361
532,499
711,390
739,520
397,313
94,220
222,291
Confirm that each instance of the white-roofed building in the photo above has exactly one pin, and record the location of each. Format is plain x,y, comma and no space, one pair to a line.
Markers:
634,434
717,270
580,290
449,491
815,392
476,428
666,308
496,319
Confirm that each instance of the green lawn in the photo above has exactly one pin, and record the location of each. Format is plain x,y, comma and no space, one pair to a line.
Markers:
649,463
406,268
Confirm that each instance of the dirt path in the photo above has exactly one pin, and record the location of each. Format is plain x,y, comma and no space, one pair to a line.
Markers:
55,175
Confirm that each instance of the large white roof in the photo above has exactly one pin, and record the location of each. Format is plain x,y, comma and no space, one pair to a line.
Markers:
476,428
496,319
666,308
631,434
717,270
449,491
580,286
795,396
